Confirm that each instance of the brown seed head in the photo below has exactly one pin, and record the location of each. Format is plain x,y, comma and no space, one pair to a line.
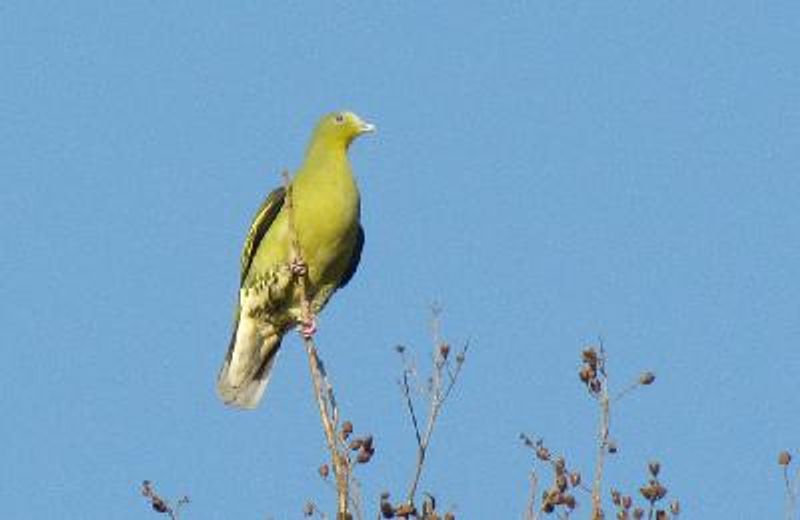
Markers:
324,471
387,511
364,455
444,350
368,442
574,479
616,497
569,501
449,516
661,515
552,496
587,374
653,492
542,453
784,458
661,491
589,356
675,507
654,467
647,378
405,511
627,502
159,505
347,429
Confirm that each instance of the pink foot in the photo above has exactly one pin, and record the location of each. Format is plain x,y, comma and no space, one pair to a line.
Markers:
308,328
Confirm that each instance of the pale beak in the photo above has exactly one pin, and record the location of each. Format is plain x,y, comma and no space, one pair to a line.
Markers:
365,128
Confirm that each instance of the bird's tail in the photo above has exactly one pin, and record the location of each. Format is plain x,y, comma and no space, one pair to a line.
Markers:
245,372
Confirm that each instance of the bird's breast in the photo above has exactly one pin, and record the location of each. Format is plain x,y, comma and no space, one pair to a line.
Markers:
326,219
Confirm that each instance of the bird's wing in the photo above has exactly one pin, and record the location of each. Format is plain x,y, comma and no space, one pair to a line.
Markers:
261,222
355,258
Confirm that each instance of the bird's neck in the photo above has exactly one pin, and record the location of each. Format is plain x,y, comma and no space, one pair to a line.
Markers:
322,153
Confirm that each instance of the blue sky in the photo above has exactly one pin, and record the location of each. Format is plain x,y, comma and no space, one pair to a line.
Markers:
548,172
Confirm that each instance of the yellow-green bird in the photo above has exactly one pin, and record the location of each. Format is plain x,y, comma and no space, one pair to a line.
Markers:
326,221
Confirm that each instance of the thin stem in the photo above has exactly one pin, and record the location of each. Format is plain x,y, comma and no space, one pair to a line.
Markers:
602,447
438,396
410,406
531,513
339,462
323,391
791,495
630,388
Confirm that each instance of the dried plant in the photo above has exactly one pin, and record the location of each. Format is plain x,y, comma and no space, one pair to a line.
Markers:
559,497
160,504
336,434
444,376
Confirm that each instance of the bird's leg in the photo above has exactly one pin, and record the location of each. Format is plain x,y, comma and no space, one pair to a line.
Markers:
308,322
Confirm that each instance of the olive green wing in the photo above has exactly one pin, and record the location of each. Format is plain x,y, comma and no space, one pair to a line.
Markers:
355,258
261,222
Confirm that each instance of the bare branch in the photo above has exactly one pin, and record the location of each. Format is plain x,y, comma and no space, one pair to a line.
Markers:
323,390
531,513
439,389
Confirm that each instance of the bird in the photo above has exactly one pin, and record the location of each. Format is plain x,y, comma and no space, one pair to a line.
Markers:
320,220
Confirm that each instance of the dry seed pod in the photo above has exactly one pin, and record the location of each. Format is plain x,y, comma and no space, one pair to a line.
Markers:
647,378
784,458
589,356
347,429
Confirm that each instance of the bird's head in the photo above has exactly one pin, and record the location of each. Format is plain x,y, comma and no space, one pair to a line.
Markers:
341,128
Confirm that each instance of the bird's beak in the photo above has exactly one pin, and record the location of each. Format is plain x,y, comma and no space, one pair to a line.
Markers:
365,128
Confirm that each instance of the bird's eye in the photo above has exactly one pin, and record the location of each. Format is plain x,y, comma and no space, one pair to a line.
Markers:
339,119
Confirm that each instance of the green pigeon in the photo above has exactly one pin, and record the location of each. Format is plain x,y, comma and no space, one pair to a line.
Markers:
326,221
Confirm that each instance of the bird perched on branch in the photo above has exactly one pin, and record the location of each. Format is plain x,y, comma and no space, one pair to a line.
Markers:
314,233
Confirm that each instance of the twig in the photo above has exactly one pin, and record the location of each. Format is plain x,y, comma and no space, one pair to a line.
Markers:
161,505
323,391
530,512
600,391
602,447
439,391
791,492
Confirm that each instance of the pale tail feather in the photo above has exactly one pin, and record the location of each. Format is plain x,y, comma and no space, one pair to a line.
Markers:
245,371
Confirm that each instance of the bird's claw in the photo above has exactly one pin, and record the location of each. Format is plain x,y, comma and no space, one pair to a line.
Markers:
298,267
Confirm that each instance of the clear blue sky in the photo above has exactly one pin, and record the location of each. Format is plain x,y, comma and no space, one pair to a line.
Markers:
549,172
